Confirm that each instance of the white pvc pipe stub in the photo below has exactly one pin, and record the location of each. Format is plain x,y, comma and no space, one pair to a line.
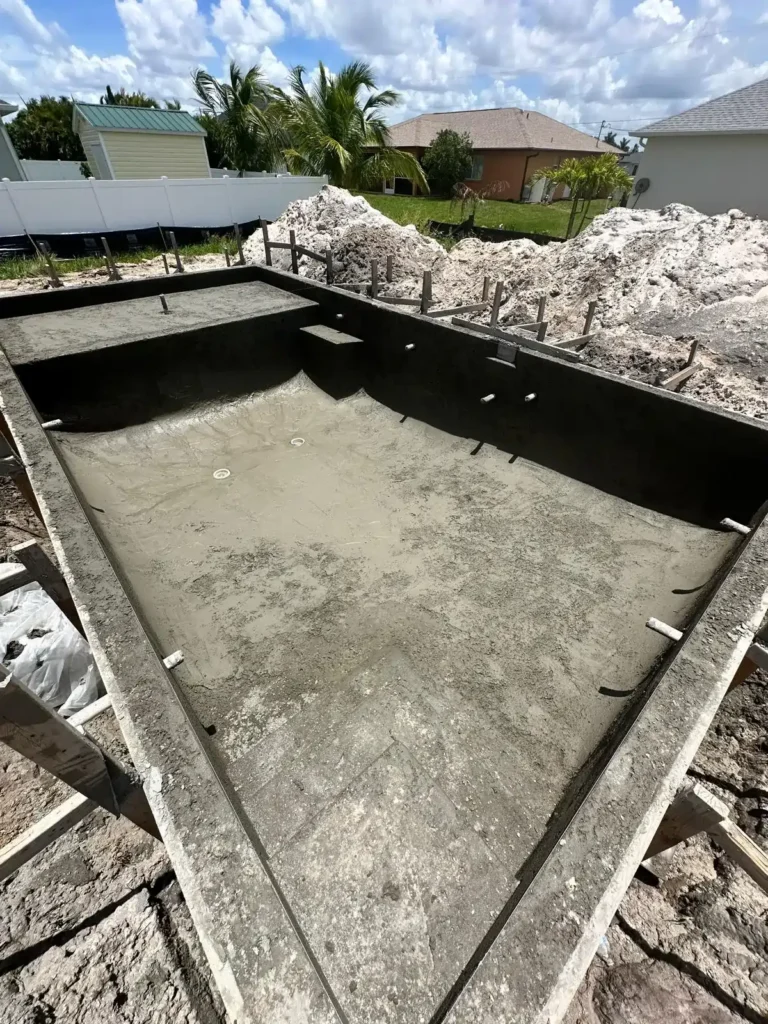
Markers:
662,627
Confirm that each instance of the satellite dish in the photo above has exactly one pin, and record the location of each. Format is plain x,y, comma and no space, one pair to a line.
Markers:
642,185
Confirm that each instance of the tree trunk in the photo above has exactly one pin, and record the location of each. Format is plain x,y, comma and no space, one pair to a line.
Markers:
584,216
572,218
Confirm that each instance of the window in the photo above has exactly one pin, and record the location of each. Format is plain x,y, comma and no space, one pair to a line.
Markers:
477,167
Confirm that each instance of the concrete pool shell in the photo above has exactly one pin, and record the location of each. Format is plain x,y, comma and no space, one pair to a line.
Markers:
415,653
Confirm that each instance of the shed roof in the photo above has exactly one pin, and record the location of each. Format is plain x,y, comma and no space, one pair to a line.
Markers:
744,110
498,128
113,117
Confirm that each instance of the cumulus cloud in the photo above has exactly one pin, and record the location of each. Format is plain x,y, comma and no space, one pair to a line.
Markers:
583,61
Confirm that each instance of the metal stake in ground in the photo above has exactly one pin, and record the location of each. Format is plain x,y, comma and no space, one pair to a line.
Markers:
498,292
374,279
389,269
45,249
590,316
267,250
294,254
165,262
541,333
111,265
426,291
486,288
179,264
238,240
328,265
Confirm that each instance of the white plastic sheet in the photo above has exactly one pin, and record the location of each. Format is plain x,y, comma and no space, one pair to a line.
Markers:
55,661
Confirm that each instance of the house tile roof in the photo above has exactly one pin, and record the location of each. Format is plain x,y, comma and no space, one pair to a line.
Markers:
499,128
745,110
109,117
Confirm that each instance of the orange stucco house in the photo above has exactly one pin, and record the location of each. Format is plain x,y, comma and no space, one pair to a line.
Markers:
509,144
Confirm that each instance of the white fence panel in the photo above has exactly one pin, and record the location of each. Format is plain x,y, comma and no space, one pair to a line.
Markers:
133,203
200,202
251,198
10,222
52,170
57,207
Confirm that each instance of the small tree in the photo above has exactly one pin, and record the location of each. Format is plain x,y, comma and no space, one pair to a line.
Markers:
610,138
448,161
624,144
42,130
588,179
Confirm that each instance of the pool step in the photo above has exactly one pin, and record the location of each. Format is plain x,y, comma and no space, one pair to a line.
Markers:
331,334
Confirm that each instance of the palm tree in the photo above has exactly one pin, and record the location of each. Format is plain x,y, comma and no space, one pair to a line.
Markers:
249,135
587,179
610,138
624,144
333,131
127,99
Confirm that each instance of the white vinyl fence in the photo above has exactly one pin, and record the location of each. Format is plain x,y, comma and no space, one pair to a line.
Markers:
52,170
56,207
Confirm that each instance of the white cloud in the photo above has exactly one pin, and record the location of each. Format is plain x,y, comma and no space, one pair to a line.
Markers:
660,10
578,61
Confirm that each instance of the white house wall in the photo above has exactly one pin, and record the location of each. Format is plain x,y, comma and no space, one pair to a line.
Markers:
711,173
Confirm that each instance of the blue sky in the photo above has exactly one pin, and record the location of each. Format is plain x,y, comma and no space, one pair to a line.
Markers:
580,61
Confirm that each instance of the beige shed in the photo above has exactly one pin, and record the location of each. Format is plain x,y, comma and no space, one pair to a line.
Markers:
140,142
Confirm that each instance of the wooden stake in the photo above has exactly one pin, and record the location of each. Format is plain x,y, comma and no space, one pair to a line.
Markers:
164,304
692,353
426,291
374,279
165,262
267,250
226,256
747,854
590,316
329,266
486,289
693,810
389,269
294,254
37,837
179,264
42,569
542,309
496,302
37,732
239,243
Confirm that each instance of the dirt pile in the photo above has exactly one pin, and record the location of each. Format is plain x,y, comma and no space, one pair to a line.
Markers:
357,234
662,278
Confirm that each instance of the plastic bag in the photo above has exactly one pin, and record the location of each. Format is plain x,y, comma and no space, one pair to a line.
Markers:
44,650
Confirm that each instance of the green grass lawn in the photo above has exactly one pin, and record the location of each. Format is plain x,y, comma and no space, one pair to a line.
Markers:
543,220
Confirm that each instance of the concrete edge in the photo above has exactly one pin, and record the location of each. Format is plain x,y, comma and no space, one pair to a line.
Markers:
530,974
259,959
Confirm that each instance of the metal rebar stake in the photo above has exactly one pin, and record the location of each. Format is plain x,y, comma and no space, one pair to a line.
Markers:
590,316
426,291
374,279
179,264
267,250
294,254
497,294
239,242
390,268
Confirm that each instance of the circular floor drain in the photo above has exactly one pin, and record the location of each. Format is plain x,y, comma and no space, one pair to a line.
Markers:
220,474
297,442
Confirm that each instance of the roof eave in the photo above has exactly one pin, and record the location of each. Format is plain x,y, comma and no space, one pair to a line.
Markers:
149,131
650,133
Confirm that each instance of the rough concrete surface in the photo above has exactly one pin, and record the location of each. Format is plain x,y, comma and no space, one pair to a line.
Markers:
48,335
343,598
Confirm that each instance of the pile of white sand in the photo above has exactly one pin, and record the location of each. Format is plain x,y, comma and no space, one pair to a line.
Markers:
357,234
661,278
